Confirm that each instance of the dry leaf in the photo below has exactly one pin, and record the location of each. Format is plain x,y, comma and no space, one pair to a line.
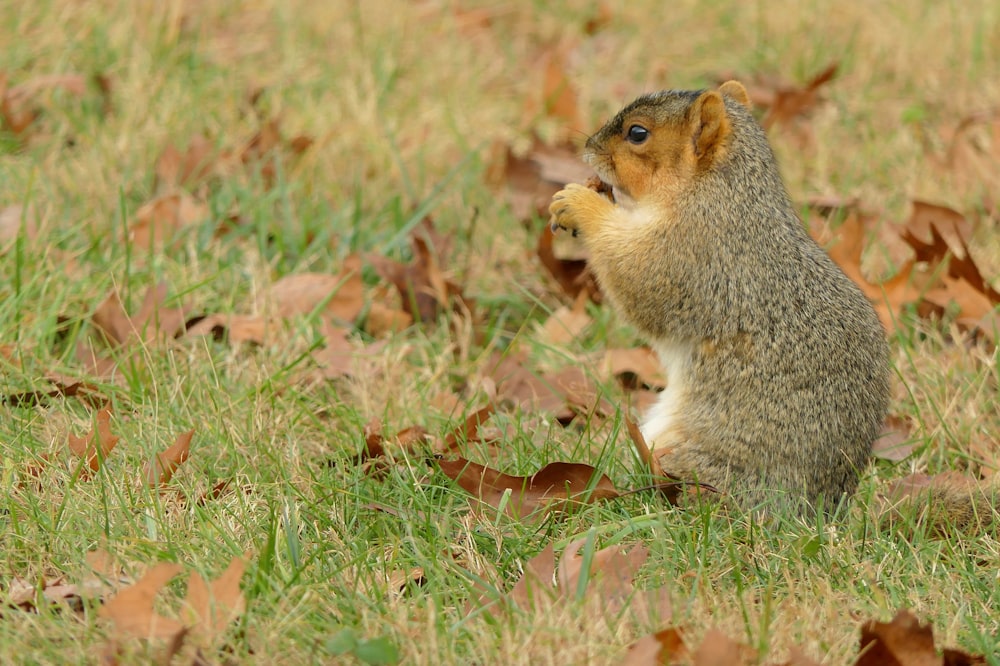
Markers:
717,649
663,647
566,324
339,357
152,322
157,221
209,608
162,468
536,580
791,102
469,430
904,641
132,612
572,275
16,220
174,169
559,96
234,328
894,442
95,446
557,486
634,368
422,286
341,296
16,109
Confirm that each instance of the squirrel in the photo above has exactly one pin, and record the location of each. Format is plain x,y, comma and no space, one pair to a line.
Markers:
777,365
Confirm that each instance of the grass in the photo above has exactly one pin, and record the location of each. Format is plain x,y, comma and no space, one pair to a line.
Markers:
404,101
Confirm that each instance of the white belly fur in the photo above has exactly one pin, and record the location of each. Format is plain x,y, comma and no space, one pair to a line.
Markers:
660,425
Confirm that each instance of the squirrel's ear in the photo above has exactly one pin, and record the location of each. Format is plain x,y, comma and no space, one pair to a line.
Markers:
735,90
710,124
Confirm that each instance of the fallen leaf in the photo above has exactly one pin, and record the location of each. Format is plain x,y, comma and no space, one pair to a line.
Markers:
566,324
339,357
17,221
889,297
610,575
572,275
340,296
469,430
16,109
398,582
565,393
559,96
537,579
636,368
162,468
557,486
422,285
663,647
159,220
209,608
174,169
253,329
904,641
894,442
382,319
791,102
152,322
529,181
718,649
95,446
131,610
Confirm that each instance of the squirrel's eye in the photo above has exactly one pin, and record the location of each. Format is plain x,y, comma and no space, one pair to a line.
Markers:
637,134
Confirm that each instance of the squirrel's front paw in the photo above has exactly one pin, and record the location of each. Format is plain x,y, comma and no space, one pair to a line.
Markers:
578,208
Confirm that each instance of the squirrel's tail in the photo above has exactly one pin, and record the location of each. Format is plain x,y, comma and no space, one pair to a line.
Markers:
944,504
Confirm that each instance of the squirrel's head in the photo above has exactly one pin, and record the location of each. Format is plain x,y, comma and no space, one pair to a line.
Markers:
659,142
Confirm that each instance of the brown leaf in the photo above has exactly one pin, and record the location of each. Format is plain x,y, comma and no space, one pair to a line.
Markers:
469,430
422,286
341,296
339,357
789,102
559,97
610,576
16,109
939,235
889,297
95,446
572,275
132,612
529,181
894,442
234,328
174,169
162,468
556,486
635,368
383,320
902,642
566,324
565,393
151,323
717,649
663,647
16,220
536,580
157,221
209,608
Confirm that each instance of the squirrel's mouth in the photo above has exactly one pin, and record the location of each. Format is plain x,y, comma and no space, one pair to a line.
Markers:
622,197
